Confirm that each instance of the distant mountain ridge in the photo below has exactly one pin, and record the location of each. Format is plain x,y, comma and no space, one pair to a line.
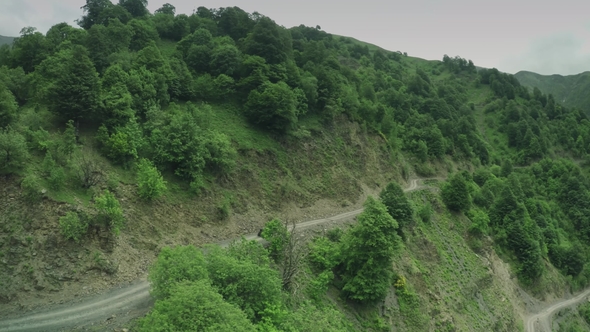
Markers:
6,40
570,91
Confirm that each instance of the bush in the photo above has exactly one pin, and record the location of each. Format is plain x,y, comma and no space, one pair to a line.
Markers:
195,306
182,263
425,212
72,227
13,151
150,182
277,234
584,311
31,188
110,213
57,177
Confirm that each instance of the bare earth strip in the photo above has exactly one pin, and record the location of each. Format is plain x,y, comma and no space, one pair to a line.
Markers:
541,322
128,301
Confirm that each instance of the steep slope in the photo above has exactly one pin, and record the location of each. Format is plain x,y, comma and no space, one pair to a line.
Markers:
141,132
571,90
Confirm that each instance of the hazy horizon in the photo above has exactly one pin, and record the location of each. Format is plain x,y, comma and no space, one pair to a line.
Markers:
545,38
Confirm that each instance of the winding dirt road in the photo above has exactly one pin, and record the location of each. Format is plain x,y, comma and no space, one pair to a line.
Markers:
541,322
130,300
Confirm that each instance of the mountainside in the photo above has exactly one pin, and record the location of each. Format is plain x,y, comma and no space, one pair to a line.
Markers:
570,91
132,142
6,40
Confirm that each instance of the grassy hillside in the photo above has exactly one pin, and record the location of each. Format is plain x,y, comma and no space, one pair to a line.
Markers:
6,40
571,90
142,132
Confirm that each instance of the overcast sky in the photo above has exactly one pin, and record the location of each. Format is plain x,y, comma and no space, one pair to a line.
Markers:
547,37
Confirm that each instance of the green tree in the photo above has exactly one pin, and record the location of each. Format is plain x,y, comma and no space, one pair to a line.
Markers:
267,41
180,86
174,265
167,9
97,12
75,92
144,32
455,194
29,50
273,106
18,83
506,168
137,8
398,206
150,182
195,306
503,205
13,151
99,47
142,86
62,32
110,213
367,253
69,140
276,233
8,106
238,279
225,59
221,155
117,103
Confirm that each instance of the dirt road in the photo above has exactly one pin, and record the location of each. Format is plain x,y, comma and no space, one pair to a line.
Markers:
541,322
125,302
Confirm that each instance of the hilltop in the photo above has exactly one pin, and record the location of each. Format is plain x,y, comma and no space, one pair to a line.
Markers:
570,90
131,140
6,40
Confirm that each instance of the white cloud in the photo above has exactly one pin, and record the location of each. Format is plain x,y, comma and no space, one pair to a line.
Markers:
562,53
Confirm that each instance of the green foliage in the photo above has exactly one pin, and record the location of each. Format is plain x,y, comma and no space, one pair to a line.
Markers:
8,106
367,252
13,151
150,182
72,227
110,213
324,254
397,204
584,311
69,140
75,92
302,82
272,106
29,50
195,306
57,178
31,188
425,212
238,279
276,233
174,265
455,194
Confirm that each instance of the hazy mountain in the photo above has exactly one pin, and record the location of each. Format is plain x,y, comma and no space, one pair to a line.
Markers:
6,40
569,90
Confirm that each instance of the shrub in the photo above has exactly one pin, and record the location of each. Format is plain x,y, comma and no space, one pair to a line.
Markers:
150,182
425,212
31,188
110,212
72,227
57,178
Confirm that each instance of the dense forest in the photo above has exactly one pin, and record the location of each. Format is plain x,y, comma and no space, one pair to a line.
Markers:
142,89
